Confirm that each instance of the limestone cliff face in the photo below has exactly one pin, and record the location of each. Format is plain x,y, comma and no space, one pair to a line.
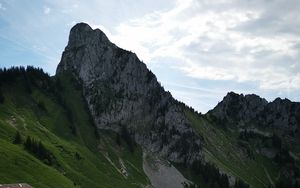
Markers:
121,91
250,110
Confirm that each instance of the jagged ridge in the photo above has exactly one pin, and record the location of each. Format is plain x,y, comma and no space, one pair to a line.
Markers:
252,110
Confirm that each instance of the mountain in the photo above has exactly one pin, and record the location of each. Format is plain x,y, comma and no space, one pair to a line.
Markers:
250,110
105,121
121,91
268,129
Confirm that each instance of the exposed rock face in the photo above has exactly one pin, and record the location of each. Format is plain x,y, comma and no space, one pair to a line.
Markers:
121,91
251,110
162,174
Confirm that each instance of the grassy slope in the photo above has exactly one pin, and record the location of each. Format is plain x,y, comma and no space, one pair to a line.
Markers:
221,148
21,112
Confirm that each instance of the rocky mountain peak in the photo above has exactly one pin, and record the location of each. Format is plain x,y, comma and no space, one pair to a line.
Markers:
82,34
251,110
120,91
233,97
90,55
238,108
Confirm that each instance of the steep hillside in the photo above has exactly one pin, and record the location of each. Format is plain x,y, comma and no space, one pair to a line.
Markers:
223,149
52,110
262,137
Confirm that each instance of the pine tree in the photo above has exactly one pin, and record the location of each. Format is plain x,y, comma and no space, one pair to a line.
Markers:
39,150
17,139
127,138
1,97
240,184
118,139
28,143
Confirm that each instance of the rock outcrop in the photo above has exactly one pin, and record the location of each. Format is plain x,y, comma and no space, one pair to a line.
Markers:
121,92
250,110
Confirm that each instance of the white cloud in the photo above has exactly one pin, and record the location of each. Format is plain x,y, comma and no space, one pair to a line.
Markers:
205,38
2,7
47,10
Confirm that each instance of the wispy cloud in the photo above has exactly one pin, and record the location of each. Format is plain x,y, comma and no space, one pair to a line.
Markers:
2,7
47,10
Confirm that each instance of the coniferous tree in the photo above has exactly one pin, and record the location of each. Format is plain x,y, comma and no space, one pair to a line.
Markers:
276,141
28,143
240,184
127,138
210,174
224,182
39,150
41,106
17,139
1,97
77,156
118,139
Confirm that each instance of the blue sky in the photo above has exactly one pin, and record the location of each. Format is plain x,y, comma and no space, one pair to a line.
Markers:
199,49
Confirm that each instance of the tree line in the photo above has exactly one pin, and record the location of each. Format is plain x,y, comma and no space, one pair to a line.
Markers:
211,176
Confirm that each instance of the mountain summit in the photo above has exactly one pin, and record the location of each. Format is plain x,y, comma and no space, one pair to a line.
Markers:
121,91
281,115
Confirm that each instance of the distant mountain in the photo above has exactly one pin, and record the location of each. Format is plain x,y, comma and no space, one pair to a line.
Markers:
280,115
271,129
105,121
